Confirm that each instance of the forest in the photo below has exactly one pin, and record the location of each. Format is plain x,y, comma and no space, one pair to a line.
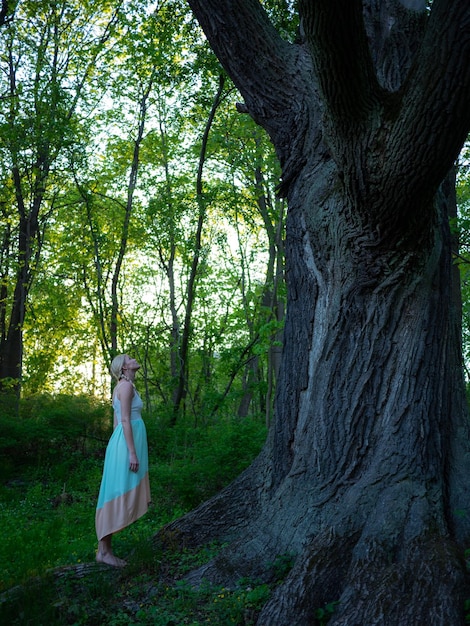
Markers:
152,155
140,188
153,227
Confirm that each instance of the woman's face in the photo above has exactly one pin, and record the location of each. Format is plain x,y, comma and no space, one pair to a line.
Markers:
130,364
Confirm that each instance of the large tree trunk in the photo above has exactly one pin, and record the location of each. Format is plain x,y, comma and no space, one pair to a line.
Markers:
364,475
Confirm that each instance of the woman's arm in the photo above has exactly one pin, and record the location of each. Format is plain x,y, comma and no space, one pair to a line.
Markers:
126,393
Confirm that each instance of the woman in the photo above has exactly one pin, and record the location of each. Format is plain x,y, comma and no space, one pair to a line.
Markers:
125,491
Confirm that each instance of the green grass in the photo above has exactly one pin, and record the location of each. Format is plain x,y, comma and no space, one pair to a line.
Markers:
148,591
50,480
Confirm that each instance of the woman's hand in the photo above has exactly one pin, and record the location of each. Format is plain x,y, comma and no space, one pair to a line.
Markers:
133,462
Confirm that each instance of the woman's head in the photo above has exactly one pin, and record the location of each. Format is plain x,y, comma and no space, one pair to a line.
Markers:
117,365
122,363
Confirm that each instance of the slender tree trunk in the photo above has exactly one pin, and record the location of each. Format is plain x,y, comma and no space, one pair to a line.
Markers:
272,300
28,247
28,251
113,325
272,305
182,386
168,260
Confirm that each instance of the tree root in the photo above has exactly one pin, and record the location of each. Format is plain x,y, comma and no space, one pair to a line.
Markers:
224,515
426,586
372,579
382,552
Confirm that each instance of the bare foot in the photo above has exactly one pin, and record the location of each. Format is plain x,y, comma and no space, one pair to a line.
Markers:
110,559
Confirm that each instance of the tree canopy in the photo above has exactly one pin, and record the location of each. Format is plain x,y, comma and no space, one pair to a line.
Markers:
123,205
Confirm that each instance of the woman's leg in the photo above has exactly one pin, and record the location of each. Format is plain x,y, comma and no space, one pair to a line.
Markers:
105,553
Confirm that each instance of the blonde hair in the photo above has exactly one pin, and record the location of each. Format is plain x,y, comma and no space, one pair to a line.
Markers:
116,366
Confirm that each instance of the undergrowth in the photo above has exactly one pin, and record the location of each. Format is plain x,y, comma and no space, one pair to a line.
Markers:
51,461
150,590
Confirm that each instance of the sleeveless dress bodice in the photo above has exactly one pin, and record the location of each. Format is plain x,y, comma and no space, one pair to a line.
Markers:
136,407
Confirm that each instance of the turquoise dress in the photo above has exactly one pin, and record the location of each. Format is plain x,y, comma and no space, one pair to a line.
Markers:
124,495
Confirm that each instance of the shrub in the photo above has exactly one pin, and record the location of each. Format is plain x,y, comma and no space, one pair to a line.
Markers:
212,458
49,429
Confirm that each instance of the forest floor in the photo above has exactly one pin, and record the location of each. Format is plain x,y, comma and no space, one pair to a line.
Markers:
48,573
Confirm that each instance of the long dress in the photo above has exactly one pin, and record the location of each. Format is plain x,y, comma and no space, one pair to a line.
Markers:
124,495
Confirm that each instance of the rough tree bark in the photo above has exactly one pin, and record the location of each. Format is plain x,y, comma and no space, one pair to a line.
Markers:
364,476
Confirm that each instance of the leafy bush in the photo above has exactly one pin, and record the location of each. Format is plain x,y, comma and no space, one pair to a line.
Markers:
49,429
212,458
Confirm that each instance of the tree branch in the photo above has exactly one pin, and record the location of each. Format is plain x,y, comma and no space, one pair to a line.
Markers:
250,49
335,33
436,99
6,11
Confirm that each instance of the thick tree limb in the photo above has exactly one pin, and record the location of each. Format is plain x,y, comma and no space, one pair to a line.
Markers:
334,30
6,11
261,64
246,43
436,100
